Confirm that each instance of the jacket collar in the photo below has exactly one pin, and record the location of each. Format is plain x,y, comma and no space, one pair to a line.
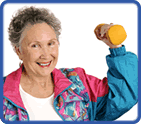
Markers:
11,85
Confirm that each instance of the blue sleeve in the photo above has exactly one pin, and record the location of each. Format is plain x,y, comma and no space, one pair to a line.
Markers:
123,85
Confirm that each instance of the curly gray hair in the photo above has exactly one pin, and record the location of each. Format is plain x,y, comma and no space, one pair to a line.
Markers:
31,15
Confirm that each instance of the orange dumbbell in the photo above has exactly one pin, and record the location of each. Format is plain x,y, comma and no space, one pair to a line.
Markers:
116,34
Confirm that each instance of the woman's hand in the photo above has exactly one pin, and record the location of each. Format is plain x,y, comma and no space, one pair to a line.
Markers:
102,35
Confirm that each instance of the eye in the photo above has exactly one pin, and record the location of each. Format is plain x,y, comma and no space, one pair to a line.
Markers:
51,43
34,45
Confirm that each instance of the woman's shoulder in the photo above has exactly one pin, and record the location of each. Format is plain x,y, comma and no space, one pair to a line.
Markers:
13,75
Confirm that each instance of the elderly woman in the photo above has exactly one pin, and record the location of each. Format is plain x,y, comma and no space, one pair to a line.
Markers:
39,91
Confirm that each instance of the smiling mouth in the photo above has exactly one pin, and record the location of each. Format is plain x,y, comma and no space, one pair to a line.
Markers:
44,64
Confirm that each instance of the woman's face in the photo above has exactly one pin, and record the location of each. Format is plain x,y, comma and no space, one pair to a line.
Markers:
39,49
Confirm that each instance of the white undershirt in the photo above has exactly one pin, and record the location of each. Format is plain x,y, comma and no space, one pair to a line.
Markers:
39,108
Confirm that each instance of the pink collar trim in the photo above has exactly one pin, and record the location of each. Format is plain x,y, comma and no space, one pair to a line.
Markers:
11,85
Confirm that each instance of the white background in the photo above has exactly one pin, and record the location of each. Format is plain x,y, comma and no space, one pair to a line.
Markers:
78,44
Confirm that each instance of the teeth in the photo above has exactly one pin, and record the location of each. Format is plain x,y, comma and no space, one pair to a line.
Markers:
44,64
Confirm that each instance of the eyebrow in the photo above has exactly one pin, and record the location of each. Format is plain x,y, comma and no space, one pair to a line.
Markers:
40,42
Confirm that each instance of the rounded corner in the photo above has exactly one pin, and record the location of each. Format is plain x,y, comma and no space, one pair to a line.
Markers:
3,3
137,3
137,119
3,120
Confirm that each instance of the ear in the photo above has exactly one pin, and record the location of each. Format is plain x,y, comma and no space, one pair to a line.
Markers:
19,52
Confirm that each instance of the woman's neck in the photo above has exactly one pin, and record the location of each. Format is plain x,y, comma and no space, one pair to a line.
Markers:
40,87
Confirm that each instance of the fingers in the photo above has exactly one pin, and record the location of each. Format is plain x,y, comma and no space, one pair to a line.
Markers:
105,28
98,35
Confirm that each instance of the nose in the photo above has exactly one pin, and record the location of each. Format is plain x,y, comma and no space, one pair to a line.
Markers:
45,53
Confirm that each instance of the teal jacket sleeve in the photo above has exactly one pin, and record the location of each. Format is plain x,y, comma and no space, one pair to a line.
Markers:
123,85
